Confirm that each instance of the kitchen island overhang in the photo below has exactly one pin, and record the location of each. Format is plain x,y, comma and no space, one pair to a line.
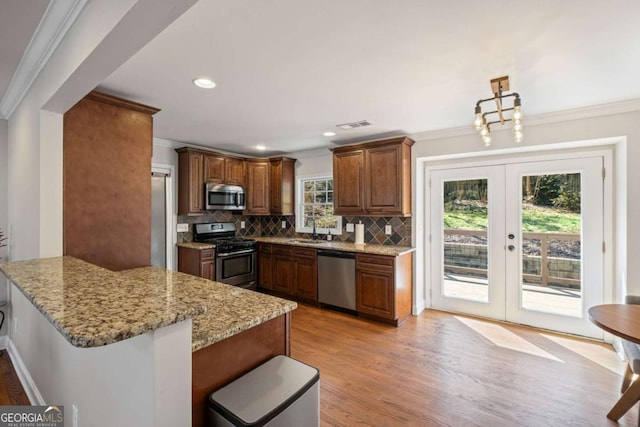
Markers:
120,346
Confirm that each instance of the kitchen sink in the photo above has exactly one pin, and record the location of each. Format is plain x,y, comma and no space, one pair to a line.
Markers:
309,242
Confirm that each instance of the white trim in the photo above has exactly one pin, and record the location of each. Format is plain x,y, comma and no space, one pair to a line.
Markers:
170,210
540,119
587,148
29,386
56,21
300,228
4,342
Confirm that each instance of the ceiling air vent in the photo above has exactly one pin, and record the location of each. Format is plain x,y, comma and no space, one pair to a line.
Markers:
353,125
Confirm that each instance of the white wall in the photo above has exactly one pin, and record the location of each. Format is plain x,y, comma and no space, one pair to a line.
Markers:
4,143
540,134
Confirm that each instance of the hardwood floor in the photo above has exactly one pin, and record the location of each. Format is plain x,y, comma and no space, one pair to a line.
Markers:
11,391
441,369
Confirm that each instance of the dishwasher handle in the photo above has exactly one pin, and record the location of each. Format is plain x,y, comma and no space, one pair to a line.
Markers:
336,254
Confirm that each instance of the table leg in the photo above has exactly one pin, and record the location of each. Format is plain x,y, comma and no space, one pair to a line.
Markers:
626,401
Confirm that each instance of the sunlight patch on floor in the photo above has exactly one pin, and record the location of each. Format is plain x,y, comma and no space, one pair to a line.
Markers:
502,337
605,357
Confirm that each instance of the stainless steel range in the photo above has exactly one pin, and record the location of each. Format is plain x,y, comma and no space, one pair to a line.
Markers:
236,257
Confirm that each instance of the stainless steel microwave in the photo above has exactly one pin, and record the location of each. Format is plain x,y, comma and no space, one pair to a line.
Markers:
224,197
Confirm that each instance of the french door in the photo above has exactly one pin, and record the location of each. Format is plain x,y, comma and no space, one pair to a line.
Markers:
521,242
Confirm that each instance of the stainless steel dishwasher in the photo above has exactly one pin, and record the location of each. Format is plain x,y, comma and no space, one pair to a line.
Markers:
337,279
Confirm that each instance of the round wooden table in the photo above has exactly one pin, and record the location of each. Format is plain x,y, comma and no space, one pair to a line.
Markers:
622,320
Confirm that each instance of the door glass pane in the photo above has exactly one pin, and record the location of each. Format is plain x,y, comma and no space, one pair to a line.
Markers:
465,222
551,244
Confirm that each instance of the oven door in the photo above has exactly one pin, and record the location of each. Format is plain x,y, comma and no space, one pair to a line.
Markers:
237,268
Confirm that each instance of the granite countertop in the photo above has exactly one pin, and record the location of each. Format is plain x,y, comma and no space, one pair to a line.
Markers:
196,245
339,246
230,309
92,306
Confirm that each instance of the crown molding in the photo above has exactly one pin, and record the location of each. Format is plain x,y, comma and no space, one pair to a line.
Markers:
608,109
56,21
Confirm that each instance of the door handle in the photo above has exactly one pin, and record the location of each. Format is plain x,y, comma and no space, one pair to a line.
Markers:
511,247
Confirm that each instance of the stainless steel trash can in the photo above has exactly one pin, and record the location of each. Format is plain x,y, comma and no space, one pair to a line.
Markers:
282,392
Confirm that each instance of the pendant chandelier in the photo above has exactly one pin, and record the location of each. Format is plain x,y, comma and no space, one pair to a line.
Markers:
483,121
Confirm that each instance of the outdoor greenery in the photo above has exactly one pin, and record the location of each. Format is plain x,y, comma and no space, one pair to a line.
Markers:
551,203
534,219
318,203
2,240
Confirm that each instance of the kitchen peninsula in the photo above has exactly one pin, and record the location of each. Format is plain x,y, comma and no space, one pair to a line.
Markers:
136,347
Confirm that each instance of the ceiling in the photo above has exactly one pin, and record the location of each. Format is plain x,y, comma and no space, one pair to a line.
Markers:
18,21
289,70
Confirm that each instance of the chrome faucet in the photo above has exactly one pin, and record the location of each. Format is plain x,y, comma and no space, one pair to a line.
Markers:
314,235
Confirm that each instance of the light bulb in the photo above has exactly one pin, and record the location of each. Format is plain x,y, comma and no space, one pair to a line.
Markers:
487,140
477,122
517,127
484,130
517,114
518,136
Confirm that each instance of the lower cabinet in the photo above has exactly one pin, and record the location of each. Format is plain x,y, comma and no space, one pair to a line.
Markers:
198,262
288,270
384,286
283,269
265,266
306,274
383,282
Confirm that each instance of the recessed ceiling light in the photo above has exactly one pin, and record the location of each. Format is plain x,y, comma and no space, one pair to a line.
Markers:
329,134
261,147
204,83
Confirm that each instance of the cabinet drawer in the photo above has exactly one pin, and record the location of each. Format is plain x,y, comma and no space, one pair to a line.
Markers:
282,250
305,252
376,260
206,253
265,248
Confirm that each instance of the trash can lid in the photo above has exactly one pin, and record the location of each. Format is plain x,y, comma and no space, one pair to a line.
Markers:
261,394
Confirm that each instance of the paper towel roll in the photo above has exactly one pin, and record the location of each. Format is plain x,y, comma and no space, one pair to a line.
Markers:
359,234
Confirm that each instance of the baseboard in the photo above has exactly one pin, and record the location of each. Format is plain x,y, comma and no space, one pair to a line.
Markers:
4,342
418,308
23,375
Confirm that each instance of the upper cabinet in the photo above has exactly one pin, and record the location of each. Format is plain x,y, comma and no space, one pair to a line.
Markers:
269,183
258,180
224,169
373,178
282,186
190,181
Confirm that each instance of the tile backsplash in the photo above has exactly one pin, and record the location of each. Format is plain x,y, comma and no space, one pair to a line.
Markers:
272,226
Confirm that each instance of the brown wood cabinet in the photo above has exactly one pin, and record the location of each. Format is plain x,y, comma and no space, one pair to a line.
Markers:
282,186
190,182
283,269
198,262
288,270
265,269
258,183
384,287
224,169
305,283
373,178
348,182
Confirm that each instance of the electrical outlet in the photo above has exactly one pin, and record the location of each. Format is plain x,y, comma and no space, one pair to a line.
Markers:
182,228
349,228
284,224
74,417
388,230
242,224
